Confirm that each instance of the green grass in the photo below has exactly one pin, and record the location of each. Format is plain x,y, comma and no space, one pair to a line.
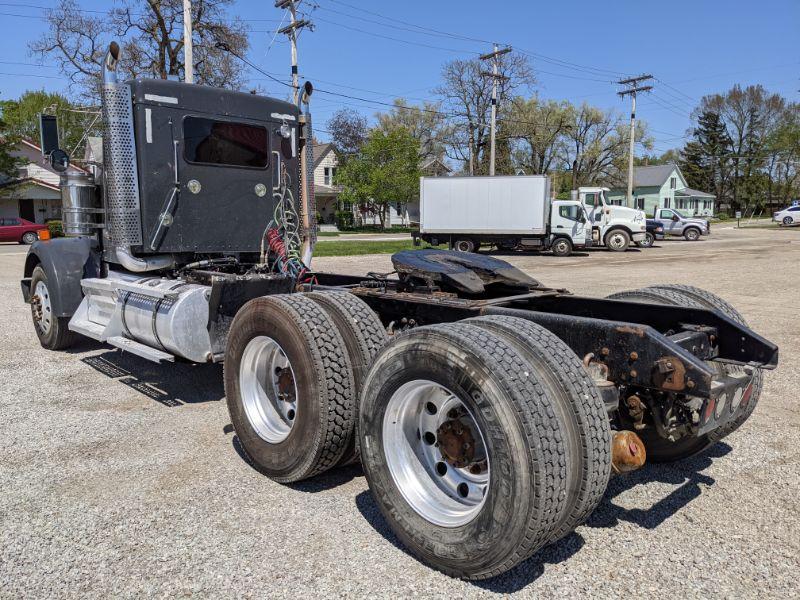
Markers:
359,248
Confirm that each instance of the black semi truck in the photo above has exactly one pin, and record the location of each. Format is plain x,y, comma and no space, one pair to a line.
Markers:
488,410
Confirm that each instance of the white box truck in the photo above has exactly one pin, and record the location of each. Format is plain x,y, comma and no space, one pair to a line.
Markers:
504,211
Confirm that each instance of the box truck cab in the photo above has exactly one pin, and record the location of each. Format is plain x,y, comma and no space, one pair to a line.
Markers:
508,212
614,227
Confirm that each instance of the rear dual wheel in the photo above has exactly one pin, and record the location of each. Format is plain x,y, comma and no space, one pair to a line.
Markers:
658,448
470,443
294,366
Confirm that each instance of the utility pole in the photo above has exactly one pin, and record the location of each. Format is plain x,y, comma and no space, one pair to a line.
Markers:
188,61
495,75
632,90
291,31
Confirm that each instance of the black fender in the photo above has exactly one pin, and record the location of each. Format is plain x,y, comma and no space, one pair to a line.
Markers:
65,261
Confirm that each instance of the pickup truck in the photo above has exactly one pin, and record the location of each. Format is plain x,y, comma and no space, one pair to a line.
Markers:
677,224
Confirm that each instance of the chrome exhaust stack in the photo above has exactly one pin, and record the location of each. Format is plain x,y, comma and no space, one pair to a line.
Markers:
110,64
307,204
121,175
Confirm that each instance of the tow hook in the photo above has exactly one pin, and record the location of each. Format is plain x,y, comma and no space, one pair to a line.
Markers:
627,452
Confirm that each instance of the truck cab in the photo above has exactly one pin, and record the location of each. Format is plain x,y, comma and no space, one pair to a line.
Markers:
614,227
569,219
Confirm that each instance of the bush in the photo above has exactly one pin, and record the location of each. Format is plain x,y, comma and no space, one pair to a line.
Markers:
56,229
344,220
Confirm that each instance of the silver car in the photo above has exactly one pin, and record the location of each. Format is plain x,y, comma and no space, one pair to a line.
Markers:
675,223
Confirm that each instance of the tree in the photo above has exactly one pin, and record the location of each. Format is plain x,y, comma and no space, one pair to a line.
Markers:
466,96
538,127
348,131
425,123
749,116
151,32
704,159
8,142
385,172
22,118
598,142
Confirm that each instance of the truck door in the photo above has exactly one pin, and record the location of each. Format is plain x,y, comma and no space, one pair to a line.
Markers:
667,220
568,218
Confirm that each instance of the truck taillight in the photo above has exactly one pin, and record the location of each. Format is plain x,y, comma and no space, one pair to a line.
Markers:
44,234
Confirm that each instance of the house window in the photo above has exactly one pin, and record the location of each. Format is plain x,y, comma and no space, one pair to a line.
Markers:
330,173
672,182
640,203
681,203
666,202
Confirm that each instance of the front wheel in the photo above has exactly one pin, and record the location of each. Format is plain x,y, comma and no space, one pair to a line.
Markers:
648,241
53,331
562,247
618,240
787,221
29,237
691,234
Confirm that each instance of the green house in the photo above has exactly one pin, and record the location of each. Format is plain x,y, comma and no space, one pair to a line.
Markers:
663,186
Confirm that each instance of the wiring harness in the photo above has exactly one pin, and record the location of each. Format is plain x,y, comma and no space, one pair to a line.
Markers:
281,244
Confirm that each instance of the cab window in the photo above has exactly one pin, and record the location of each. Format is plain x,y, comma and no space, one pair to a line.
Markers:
569,212
225,143
590,199
665,214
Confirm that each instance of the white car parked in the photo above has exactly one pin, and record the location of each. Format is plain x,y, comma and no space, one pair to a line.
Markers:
788,216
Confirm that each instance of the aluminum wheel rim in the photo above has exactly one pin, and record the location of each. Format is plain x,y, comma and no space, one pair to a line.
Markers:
561,246
616,240
439,490
692,234
29,238
42,310
268,388
463,246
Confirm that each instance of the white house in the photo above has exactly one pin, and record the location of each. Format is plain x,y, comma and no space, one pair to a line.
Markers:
34,193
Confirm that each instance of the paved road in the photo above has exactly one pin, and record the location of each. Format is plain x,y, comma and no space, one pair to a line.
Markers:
120,477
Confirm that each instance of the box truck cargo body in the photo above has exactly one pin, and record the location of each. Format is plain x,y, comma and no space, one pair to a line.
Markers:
505,211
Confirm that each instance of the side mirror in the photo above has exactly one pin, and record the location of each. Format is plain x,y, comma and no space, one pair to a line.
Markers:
59,160
48,133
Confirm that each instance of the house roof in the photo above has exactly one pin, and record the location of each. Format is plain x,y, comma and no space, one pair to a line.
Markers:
654,176
690,192
320,150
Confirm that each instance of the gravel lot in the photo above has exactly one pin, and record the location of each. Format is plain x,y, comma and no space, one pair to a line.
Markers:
120,477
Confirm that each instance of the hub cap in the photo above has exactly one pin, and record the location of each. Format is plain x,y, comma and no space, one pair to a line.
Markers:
616,240
435,453
42,311
268,388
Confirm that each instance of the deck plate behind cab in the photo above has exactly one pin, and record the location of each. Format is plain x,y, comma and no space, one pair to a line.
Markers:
465,271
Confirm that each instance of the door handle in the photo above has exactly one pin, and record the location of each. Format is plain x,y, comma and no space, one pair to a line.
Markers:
559,227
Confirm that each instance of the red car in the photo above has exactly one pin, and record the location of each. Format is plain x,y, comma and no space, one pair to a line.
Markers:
14,229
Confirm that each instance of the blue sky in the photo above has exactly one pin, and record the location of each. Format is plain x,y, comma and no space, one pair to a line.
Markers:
693,48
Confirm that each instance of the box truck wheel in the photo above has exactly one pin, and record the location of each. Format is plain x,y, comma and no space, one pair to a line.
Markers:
53,332
658,448
463,449
363,334
617,240
579,405
562,247
289,387
465,245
